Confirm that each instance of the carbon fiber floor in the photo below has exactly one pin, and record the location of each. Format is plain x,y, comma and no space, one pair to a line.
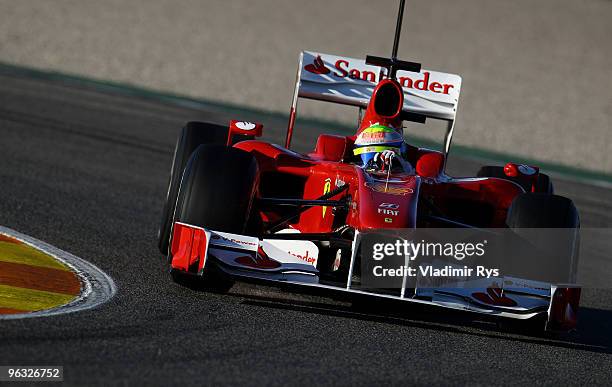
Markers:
85,170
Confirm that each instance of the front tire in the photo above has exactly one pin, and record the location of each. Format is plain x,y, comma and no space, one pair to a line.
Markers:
192,135
216,192
217,189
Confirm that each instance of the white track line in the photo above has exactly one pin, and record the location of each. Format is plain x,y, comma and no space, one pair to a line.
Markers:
97,286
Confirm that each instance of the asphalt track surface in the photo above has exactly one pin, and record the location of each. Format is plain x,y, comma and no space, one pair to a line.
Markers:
86,170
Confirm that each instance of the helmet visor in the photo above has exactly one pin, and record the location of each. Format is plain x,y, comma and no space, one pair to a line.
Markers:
366,153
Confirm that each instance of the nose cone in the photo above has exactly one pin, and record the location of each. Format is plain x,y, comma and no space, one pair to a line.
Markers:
388,205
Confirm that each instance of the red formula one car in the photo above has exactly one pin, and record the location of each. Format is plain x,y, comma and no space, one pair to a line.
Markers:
242,209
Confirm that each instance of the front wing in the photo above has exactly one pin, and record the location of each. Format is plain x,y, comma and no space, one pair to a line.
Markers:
294,262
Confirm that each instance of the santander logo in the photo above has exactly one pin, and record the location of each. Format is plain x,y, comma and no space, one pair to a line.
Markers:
304,257
343,69
317,67
494,296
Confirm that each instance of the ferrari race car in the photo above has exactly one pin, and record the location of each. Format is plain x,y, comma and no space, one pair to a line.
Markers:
238,208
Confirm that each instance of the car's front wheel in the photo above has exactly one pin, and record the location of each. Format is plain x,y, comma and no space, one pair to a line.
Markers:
217,190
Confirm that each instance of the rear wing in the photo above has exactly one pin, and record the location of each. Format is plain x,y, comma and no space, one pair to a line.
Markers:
351,81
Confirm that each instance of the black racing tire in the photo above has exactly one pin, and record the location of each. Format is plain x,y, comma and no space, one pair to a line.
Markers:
192,135
540,210
543,184
530,211
216,192
217,189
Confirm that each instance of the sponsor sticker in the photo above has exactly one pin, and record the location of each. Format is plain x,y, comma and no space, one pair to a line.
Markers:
388,209
245,125
357,70
234,241
317,66
390,189
326,190
494,295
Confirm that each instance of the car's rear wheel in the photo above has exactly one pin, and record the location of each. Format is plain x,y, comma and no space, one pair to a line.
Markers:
538,210
216,193
543,183
192,135
532,216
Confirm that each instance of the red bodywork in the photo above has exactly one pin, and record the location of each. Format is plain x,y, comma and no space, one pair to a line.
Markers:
479,202
334,193
189,248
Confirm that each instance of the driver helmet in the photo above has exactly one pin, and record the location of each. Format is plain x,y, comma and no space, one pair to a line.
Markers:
375,139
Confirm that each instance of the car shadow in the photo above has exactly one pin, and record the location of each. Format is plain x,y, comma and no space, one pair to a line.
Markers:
592,335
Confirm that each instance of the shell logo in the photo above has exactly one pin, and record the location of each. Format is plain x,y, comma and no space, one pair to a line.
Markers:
389,189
